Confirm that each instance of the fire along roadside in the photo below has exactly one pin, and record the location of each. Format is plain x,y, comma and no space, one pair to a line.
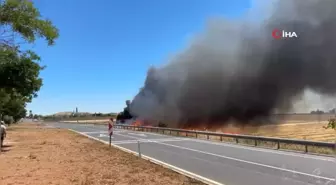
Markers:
278,34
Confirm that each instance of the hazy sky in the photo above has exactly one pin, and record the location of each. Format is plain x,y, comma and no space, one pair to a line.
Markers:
106,46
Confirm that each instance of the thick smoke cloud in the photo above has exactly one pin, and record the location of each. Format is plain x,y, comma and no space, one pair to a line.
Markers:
236,71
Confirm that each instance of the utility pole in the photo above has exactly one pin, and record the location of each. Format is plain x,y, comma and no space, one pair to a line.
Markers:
77,113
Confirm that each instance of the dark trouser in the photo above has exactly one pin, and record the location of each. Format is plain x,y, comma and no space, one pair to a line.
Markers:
2,140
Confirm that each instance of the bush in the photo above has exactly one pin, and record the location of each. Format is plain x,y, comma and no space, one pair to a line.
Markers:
331,124
162,124
8,120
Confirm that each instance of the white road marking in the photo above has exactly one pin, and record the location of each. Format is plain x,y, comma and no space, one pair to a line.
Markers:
142,135
166,165
95,132
103,135
145,141
324,158
253,148
244,161
101,132
265,150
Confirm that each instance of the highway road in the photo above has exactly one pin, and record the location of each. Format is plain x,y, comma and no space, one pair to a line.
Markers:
221,162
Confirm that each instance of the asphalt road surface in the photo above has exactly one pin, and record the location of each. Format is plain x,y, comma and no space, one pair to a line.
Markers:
224,163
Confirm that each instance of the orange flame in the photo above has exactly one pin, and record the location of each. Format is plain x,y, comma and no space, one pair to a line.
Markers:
138,122
141,122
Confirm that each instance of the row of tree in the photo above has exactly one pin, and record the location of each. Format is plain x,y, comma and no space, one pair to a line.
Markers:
20,23
332,111
87,116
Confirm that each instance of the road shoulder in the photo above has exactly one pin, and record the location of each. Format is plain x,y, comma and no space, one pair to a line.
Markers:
37,155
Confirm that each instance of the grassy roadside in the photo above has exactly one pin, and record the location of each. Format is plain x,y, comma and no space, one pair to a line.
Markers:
36,155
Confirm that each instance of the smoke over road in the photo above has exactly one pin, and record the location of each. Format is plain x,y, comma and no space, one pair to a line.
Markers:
236,71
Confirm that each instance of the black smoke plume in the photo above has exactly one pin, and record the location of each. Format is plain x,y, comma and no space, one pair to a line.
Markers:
237,71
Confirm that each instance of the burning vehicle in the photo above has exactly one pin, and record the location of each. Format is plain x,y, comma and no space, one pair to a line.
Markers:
127,118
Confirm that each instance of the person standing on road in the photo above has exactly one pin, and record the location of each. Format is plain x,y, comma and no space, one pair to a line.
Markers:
3,132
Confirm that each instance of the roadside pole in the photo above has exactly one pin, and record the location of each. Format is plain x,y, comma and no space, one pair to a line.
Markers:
77,113
0,140
110,139
110,131
139,151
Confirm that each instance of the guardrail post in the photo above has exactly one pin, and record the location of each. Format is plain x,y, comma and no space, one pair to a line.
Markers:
196,134
139,151
255,142
177,133
110,139
186,134
278,145
237,140
169,132
306,148
221,138
208,136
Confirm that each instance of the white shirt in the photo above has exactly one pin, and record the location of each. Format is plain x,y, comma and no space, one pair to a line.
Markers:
3,129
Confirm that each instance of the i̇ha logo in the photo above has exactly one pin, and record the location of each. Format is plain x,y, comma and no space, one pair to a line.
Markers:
278,34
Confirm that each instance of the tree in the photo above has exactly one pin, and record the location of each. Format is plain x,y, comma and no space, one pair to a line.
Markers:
162,124
30,114
35,116
8,119
331,124
22,18
21,72
317,112
15,107
20,22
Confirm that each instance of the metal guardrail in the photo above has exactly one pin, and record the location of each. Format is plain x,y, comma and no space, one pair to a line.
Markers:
236,137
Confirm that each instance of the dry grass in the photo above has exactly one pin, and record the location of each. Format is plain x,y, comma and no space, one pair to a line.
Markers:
305,131
36,155
295,126
263,144
300,127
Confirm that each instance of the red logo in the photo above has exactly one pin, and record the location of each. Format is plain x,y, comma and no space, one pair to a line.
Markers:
276,34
